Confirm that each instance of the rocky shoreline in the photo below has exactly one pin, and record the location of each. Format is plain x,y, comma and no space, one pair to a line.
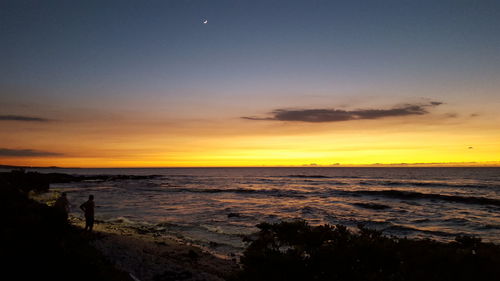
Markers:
154,257
38,243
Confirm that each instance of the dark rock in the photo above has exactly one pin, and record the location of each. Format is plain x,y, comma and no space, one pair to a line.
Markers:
233,215
372,206
193,255
170,275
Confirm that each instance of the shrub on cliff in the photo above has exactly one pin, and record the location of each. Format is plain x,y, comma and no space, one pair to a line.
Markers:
297,251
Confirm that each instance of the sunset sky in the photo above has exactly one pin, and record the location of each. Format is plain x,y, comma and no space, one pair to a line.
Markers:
261,83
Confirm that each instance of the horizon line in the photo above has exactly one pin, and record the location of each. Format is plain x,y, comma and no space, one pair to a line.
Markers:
485,164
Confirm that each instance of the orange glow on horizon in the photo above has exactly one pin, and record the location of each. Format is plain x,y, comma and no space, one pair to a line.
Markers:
234,142
275,151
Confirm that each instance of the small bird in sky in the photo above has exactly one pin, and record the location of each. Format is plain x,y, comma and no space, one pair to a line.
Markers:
204,21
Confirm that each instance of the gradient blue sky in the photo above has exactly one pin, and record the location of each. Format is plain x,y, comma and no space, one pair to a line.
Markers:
91,60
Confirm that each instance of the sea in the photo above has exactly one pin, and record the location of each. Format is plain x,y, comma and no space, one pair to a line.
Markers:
215,207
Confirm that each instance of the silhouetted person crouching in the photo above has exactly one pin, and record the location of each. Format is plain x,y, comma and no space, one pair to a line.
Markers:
88,209
62,204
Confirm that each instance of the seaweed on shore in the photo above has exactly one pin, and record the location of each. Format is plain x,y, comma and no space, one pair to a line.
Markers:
297,251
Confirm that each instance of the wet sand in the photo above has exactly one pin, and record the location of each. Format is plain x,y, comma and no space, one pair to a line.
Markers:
149,256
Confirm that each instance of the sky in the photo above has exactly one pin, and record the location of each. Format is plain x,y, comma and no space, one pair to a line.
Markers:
182,83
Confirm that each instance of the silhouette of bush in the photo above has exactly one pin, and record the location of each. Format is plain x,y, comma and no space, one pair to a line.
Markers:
296,251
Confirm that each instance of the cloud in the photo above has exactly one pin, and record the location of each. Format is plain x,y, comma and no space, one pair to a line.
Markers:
22,118
5,152
337,115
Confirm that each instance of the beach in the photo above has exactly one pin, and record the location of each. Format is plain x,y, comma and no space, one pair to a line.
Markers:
148,256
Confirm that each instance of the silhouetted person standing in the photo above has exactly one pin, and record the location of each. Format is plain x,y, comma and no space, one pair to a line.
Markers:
62,204
88,209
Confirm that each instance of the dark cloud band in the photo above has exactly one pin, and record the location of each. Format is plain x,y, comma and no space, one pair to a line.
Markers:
337,115
5,152
22,118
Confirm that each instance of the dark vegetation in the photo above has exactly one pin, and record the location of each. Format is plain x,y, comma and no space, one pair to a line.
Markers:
297,251
36,241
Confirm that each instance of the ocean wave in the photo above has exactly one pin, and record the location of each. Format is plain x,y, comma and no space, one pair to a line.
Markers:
401,229
417,195
330,182
399,194
271,192
121,219
321,177
420,220
309,176
424,184
491,226
372,206
457,221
